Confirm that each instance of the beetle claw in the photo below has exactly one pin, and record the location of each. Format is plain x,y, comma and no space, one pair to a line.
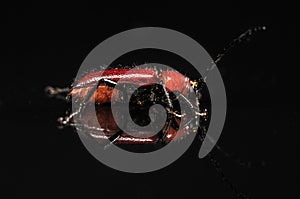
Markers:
63,121
50,91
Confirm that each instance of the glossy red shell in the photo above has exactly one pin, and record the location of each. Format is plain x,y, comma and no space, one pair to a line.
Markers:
173,80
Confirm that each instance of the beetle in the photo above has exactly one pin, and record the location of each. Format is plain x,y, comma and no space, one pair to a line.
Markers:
97,88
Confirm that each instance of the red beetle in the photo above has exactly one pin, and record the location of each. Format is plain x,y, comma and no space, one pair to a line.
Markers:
171,80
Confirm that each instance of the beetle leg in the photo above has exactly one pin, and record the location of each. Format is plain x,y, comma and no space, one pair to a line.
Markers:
113,138
59,93
170,116
165,132
85,127
66,120
192,107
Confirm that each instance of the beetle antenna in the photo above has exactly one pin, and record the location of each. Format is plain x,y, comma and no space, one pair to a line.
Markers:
243,163
225,179
245,36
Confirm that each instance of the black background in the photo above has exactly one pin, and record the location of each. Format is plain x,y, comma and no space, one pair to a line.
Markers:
44,44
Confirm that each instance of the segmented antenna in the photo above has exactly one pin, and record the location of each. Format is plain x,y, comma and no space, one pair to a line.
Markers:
245,36
225,179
